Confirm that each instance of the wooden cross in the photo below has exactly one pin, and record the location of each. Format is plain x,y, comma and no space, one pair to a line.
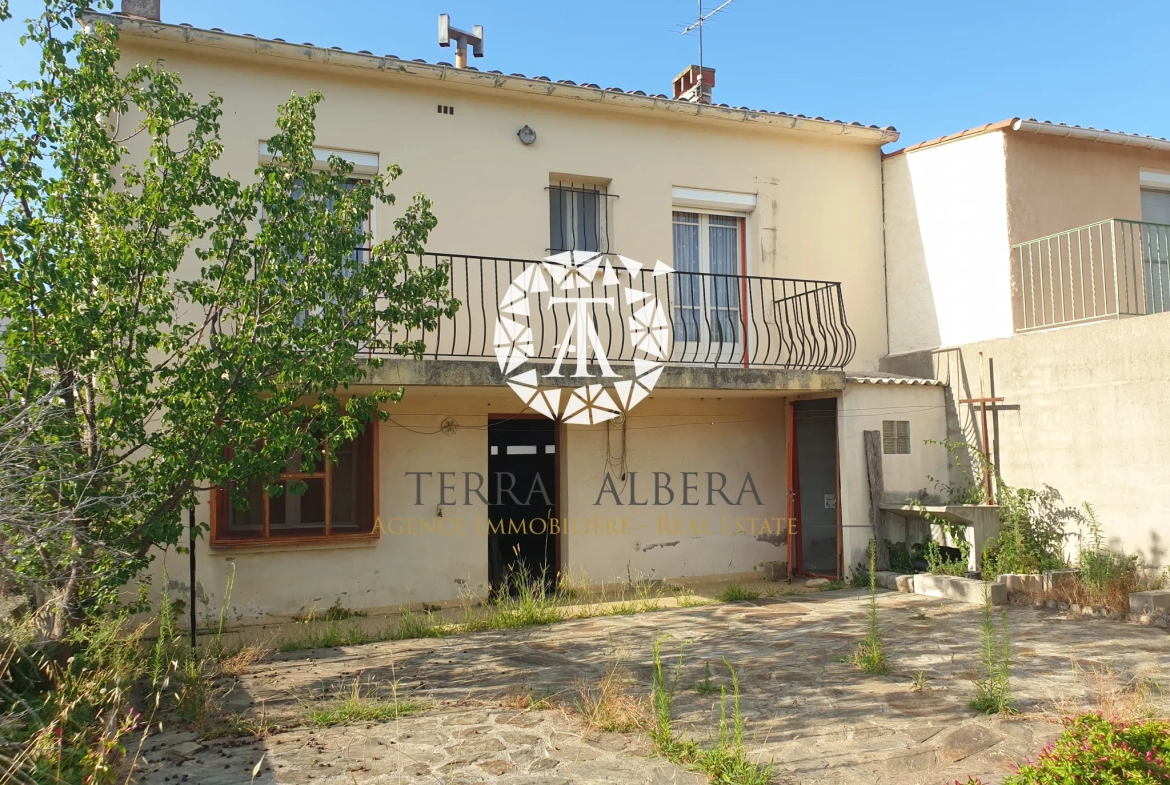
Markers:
983,401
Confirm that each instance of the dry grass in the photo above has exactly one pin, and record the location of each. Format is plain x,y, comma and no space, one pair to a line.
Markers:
1103,691
613,704
526,701
243,659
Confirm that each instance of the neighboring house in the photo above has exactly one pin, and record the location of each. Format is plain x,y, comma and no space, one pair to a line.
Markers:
774,314
1039,252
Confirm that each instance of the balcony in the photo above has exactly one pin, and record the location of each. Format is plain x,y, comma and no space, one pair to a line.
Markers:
1106,270
705,320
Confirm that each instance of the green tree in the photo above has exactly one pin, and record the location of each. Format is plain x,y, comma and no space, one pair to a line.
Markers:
185,329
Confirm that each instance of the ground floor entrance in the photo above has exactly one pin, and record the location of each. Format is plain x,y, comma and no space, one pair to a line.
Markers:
814,481
522,499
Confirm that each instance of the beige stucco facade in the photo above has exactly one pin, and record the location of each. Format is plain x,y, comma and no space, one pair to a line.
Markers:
810,196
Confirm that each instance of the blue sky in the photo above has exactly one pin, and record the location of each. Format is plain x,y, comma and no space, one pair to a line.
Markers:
927,68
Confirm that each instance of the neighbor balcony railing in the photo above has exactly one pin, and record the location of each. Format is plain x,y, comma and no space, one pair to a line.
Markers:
712,319
1108,269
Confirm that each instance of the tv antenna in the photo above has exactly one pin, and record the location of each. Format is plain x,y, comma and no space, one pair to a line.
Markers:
698,25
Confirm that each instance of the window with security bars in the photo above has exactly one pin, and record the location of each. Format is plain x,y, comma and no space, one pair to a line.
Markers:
579,217
896,437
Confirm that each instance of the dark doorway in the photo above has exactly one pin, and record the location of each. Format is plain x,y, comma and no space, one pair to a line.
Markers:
522,465
814,456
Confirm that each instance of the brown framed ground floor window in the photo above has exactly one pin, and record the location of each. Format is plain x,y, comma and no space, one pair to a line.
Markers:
338,502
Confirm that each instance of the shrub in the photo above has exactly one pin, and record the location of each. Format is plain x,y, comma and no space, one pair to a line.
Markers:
1094,749
1034,529
900,560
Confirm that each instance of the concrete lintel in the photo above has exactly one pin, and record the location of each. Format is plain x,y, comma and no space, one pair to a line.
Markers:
484,373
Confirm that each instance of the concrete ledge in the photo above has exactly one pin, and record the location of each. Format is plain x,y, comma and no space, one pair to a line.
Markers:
1154,602
895,581
962,589
1059,580
1021,583
486,373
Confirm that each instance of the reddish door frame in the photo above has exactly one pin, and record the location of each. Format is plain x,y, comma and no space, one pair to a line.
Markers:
743,303
556,477
795,556
795,551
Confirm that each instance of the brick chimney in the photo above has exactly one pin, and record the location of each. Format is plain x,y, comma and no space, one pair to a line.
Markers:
142,9
688,86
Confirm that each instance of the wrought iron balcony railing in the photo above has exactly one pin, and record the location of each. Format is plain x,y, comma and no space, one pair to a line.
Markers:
1108,269
712,319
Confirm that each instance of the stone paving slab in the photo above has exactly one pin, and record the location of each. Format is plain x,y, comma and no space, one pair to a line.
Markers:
811,714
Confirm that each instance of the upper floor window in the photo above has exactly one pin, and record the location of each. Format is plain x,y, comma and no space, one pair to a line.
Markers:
707,264
579,217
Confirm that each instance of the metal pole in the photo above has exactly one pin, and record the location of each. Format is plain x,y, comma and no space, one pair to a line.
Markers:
191,559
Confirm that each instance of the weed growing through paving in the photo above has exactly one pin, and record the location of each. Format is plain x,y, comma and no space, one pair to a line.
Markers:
870,655
356,705
528,701
705,687
919,681
993,693
611,705
726,760
736,593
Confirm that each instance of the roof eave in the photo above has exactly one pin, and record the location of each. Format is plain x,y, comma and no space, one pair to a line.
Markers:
170,34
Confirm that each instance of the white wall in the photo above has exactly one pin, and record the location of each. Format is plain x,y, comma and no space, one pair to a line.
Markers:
948,276
863,407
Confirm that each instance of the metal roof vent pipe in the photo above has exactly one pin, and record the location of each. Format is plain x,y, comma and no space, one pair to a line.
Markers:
143,9
688,86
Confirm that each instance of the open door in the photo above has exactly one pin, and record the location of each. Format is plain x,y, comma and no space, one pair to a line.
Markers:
812,460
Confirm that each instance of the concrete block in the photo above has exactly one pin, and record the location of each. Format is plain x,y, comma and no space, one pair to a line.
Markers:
895,581
1021,584
1059,580
1155,601
775,570
962,589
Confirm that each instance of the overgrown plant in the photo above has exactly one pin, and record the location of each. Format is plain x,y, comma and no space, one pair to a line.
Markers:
724,761
1093,749
870,655
1034,528
937,562
993,693
163,312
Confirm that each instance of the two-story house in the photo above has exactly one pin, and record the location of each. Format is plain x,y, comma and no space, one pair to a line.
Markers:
672,318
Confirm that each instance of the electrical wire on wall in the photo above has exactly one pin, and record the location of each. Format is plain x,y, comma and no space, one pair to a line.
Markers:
617,465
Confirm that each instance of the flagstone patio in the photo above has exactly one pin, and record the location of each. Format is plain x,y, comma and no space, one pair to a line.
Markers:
808,711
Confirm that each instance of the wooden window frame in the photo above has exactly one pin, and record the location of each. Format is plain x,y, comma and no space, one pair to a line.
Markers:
221,512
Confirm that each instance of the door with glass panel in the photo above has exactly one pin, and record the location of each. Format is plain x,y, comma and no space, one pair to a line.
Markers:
706,304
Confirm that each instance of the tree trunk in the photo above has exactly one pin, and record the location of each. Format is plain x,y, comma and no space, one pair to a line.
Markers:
873,465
